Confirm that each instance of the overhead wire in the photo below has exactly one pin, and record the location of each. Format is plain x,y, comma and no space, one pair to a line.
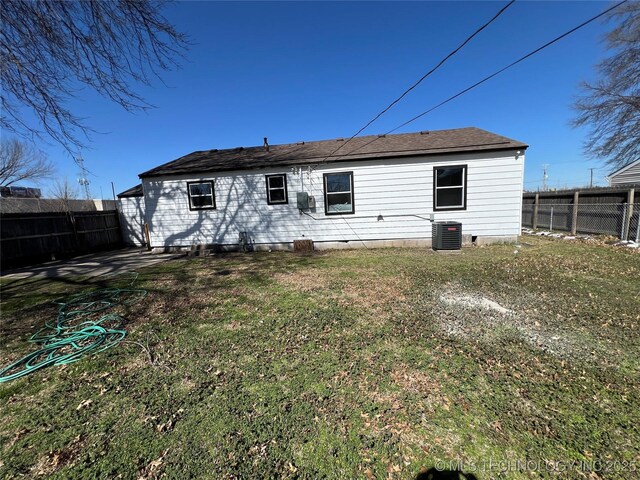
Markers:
489,77
451,54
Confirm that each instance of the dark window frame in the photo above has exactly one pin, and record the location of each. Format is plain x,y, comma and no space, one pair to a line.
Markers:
353,197
284,182
464,188
213,195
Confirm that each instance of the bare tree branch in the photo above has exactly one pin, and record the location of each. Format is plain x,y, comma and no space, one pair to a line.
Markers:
50,49
20,161
611,106
63,190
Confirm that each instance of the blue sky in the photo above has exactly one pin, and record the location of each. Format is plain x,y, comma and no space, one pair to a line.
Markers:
316,70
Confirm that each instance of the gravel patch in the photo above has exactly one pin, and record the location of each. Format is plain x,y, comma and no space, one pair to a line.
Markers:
474,316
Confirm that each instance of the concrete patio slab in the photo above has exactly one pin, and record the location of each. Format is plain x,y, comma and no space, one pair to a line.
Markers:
92,265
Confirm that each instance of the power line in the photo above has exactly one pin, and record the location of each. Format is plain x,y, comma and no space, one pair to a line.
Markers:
451,54
583,24
521,59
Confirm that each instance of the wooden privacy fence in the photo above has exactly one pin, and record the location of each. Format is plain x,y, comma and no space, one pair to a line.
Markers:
27,238
602,212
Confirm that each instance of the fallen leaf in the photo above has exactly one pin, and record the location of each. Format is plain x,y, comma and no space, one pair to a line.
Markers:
84,403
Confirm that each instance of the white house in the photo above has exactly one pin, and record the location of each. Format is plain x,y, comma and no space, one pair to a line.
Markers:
131,208
627,175
373,191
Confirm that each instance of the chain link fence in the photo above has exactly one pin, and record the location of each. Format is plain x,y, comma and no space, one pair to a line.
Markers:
619,219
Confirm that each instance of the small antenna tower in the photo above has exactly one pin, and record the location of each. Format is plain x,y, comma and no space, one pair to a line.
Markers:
83,178
545,177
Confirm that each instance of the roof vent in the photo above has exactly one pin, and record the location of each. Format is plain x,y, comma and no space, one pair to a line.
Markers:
382,135
339,139
424,132
266,144
300,143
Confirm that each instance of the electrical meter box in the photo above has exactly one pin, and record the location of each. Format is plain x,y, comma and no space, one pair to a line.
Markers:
305,201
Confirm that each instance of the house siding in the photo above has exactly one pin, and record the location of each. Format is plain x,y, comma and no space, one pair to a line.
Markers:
627,177
397,189
132,211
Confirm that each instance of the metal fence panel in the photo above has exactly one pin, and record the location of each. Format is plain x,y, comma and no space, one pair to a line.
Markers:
555,217
601,219
617,219
527,215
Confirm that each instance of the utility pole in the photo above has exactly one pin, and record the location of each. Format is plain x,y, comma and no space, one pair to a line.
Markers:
545,177
591,180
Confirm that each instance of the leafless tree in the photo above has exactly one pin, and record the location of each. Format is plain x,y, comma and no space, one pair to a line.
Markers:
611,106
51,49
20,161
63,190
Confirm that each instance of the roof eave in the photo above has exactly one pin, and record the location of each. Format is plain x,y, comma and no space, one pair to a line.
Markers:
321,160
623,169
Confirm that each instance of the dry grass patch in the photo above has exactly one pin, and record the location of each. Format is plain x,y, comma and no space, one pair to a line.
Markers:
305,280
56,460
415,381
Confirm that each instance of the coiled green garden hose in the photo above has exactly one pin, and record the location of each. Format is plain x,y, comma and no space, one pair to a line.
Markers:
74,334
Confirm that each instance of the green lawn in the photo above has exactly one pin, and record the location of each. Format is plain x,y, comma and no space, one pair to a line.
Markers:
345,364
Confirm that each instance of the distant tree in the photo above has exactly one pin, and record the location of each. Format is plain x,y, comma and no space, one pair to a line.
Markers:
20,161
63,190
50,49
611,106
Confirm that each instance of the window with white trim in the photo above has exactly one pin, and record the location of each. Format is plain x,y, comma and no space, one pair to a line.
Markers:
201,195
338,193
450,187
277,189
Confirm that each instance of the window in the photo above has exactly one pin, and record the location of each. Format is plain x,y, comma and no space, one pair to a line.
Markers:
277,189
201,195
450,188
338,193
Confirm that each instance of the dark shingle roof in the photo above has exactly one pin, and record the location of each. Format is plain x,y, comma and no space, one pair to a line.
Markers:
436,142
132,192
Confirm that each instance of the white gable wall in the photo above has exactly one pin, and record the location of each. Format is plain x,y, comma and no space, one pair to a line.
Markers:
397,189
132,220
630,175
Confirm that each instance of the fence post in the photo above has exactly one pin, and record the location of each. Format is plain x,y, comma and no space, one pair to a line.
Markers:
534,222
574,213
551,220
624,221
629,212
